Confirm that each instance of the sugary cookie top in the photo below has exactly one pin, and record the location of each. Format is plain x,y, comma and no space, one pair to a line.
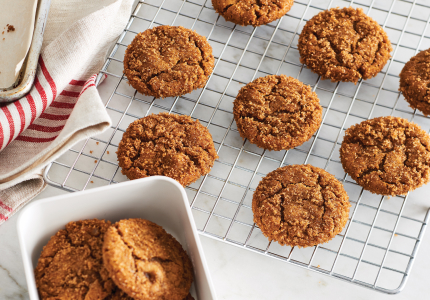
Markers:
166,144
415,81
252,12
146,262
387,155
344,45
300,205
168,61
71,264
277,112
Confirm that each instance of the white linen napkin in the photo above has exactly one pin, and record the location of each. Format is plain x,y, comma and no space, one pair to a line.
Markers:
64,106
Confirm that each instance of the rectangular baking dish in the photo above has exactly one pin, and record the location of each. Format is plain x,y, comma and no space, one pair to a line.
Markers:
158,199
28,69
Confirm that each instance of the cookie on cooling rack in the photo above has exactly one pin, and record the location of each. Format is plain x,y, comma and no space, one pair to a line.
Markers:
277,112
344,45
168,61
300,205
415,82
387,155
146,262
71,264
166,144
252,12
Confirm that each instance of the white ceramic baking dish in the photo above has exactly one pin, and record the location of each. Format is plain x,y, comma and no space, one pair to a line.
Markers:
158,199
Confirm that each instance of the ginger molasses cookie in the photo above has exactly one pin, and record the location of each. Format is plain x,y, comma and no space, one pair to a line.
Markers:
252,12
300,205
168,61
387,155
166,144
344,45
277,112
146,262
415,82
71,264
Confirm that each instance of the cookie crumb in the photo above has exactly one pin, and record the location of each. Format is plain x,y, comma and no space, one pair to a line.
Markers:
107,152
10,28
95,161
92,181
396,234
91,151
97,143
318,266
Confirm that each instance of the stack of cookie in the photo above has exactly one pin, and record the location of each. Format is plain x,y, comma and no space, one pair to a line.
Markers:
131,259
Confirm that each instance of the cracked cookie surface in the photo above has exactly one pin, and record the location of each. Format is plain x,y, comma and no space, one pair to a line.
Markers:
166,144
168,61
71,264
277,112
344,45
300,205
252,12
146,262
387,155
415,82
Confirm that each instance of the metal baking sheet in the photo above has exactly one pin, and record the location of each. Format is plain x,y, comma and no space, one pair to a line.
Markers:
28,69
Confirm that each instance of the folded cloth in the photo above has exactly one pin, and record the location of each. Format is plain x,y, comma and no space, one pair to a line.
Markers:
63,107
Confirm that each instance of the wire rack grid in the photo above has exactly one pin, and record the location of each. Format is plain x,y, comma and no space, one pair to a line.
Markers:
378,246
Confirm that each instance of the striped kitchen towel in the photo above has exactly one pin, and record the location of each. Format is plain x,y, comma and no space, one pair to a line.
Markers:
64,106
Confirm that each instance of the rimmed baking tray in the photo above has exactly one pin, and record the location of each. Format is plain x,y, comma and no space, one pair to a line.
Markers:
28,69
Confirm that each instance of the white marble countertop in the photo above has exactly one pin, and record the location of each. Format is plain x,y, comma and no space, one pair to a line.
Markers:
236,273
240,274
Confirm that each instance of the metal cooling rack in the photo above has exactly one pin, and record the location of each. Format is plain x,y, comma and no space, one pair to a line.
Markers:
378,246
